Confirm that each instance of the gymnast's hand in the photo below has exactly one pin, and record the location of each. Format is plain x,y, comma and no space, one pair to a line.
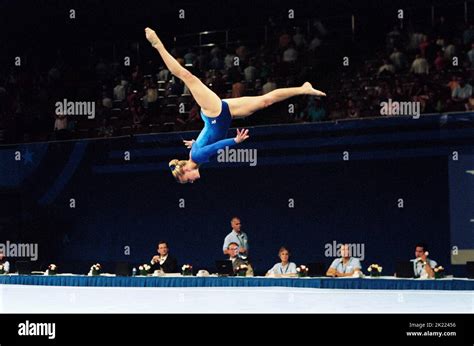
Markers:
189,144
152,37
242,135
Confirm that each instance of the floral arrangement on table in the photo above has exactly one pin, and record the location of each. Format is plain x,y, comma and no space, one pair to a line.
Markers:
95,270
52,269
187,270
375,270
241,269
2,269
302,271
144,269
438,272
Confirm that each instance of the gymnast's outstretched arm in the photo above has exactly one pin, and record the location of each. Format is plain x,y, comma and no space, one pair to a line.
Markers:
205,152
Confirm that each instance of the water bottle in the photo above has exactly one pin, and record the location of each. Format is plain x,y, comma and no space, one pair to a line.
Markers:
134,271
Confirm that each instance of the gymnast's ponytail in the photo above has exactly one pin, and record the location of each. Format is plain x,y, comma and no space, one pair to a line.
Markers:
176,167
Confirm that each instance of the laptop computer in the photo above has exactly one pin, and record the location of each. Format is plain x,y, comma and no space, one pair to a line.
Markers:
23,267
224,267
404,269
470,270
316,269
122,269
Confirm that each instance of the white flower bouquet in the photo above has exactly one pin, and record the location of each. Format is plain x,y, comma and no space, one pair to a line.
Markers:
438,272
187,270
375,270
144,269
241,269
302,271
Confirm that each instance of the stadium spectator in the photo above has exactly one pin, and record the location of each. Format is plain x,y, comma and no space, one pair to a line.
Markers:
105,130
387,68
470,55
399,60
120,91
420,66
250,72
468,35
462,92
290,55
314,110
164,75
270,85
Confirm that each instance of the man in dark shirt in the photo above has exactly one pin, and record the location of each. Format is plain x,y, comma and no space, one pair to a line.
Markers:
164,260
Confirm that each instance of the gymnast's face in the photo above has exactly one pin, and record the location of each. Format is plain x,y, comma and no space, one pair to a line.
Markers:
190,175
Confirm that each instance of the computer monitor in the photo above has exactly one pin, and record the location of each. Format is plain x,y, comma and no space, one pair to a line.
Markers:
404,269
224,267
23,267
470,270
316,269
122,269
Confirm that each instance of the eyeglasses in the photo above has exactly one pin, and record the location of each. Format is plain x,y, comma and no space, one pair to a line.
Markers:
233,248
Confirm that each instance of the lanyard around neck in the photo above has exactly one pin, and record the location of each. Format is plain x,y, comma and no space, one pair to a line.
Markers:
287,266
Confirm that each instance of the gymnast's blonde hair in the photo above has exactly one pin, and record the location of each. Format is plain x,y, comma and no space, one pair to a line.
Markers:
176,167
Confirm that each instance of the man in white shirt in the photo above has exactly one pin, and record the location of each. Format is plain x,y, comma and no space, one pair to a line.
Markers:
238,237
344,266
386,68
398,59
423,266
420,65
120,91
461,92
270,85
290,55
250,72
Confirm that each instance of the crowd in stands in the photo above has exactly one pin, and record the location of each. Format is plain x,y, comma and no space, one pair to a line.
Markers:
431,66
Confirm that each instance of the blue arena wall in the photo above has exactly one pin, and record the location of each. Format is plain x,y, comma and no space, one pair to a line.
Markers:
133,204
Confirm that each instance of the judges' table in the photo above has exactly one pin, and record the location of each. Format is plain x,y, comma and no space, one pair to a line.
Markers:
176,294
383,283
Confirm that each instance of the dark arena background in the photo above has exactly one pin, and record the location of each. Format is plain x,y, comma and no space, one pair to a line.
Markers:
383,163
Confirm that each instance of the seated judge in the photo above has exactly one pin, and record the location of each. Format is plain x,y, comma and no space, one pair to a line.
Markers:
233,251
4,263
285,267
164,261
344,266
422,265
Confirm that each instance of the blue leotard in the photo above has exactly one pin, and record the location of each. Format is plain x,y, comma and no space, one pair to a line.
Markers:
211,138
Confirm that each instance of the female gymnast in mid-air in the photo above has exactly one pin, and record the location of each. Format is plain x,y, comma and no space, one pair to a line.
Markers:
216,113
